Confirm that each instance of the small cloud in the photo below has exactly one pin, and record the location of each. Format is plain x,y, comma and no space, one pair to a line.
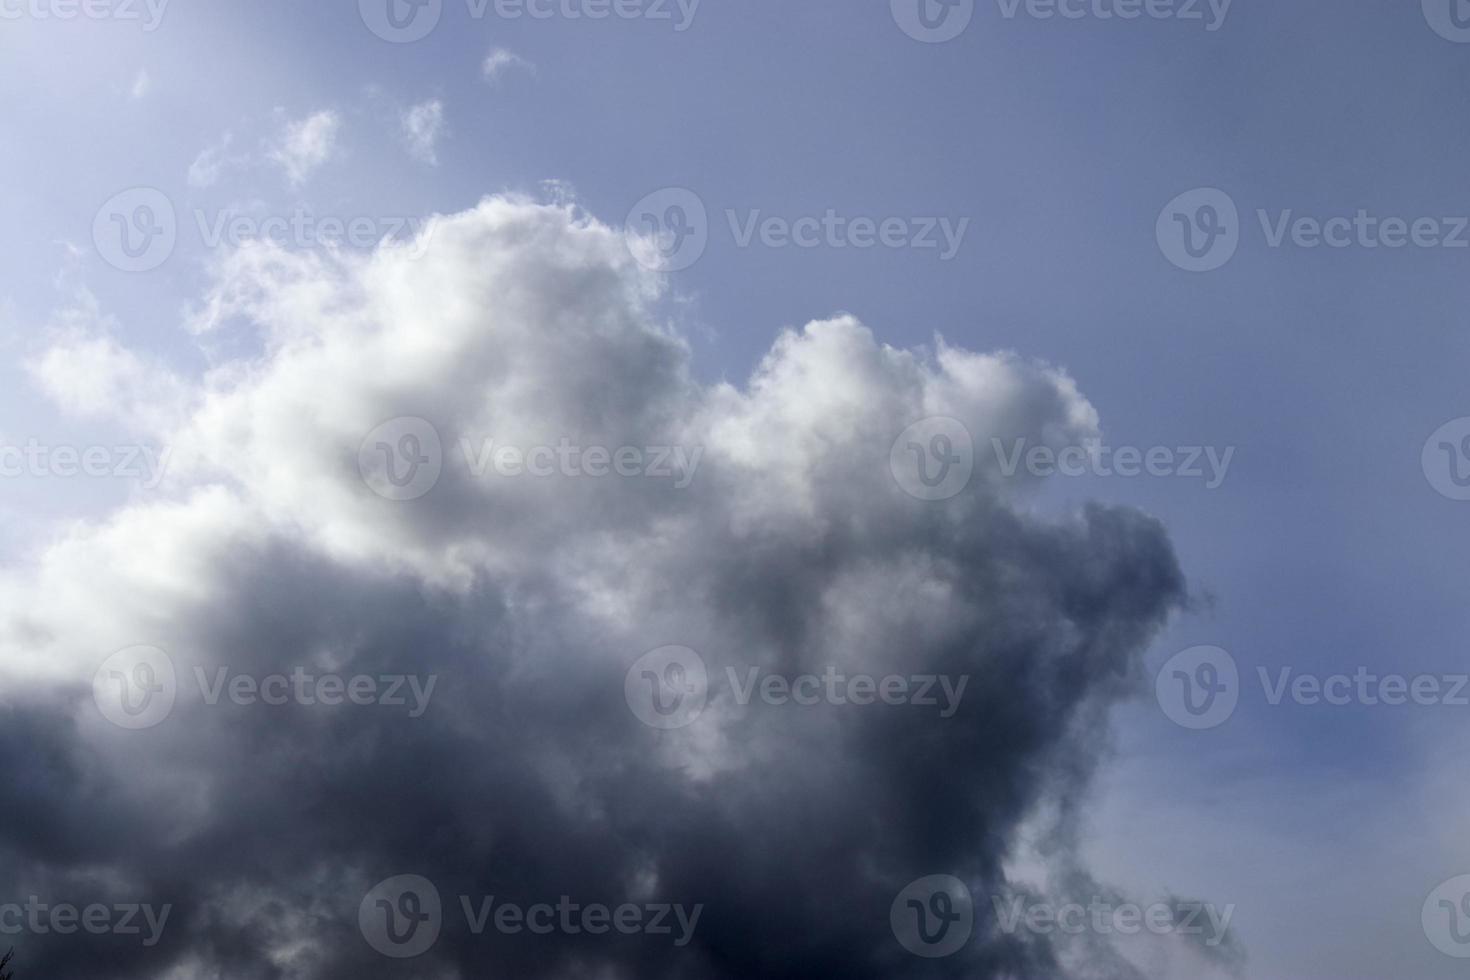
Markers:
141,85
422,126
306,144
499,60
205,169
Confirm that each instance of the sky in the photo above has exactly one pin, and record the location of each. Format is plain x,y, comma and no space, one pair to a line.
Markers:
261,258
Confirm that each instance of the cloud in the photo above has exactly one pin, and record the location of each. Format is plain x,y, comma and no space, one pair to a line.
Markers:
211,162
141,85
422,126
499,61
793,550
304,145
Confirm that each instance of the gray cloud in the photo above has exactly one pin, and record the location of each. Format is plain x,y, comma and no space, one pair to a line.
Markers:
529,778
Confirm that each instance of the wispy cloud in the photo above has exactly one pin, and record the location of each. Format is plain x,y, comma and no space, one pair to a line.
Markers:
499,61
306,144
423,124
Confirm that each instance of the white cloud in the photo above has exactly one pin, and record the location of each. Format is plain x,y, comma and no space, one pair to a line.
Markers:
423,124
499,60
210,163
142,84
306,144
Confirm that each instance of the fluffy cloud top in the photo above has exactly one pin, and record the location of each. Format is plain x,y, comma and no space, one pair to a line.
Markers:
792,550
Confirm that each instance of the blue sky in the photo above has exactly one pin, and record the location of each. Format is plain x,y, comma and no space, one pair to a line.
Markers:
1326,547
